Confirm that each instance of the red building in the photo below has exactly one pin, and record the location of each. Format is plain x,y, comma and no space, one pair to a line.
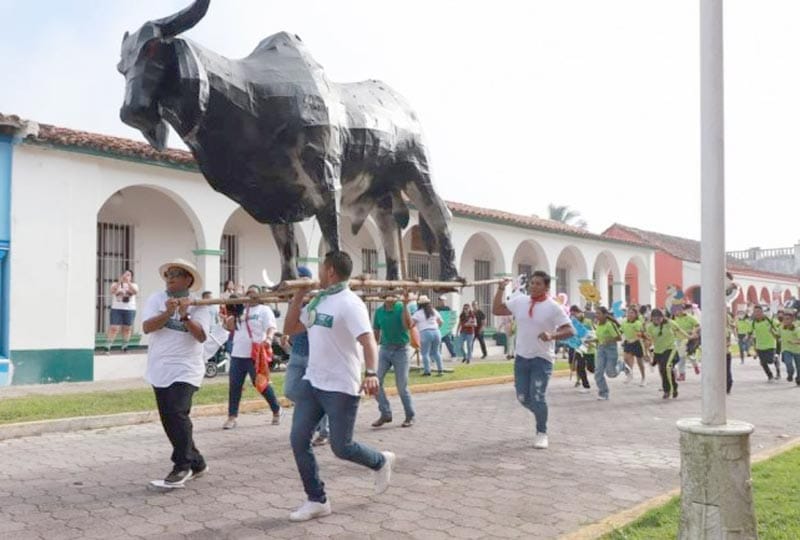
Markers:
677,264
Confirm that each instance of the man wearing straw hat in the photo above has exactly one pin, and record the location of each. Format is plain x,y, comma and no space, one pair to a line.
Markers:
337,321
175,366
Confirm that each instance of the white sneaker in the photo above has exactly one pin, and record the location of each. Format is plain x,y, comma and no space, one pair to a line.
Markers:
383,476
602,398
628,377
540,441
583,390
310,510
644,382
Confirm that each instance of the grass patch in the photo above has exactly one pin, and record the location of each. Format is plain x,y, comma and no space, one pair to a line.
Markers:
38,407
776,494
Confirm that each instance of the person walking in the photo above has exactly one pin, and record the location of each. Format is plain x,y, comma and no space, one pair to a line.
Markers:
175,364
296,368
540,323
337,322
428,321
691,327
448,325
763,333
251,324
743,328
632,329
123,310
662,334
480,320
790,343
584,356
467,322
607,363
391,323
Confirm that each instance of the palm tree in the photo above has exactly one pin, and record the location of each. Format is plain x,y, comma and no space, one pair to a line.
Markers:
564,214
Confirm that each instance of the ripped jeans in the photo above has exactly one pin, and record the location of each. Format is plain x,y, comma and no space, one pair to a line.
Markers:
531,376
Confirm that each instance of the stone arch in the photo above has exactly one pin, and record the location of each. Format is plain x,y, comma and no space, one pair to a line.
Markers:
140,227
764,296
571,268
637,281
606,274
357,246
530,254
752,295
481,258
787,295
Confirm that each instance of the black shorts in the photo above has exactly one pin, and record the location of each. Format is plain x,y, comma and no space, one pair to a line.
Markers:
634,348
122,317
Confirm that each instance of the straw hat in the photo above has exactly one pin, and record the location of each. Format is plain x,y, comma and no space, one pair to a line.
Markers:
423,299
185,265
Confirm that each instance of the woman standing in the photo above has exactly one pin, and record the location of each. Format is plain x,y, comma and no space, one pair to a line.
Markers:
428,321
663,334
123,310
467,322
608,334
250,324
632,328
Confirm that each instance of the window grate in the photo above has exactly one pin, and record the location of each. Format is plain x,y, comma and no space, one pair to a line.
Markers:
229,260
114,256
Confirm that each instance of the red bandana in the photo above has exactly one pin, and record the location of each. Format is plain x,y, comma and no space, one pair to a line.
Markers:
536,300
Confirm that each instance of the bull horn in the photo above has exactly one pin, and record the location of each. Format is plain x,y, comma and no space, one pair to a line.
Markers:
183,20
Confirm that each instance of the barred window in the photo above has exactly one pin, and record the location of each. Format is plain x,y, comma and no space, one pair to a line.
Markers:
114,256
229,260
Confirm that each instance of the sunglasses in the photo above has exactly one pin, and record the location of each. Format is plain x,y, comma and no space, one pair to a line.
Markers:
175,273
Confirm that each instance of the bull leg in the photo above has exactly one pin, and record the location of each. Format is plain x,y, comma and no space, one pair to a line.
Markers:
283,233
433,210
388,230
328,220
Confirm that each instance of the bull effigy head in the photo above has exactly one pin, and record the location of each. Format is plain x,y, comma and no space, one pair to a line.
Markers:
147,58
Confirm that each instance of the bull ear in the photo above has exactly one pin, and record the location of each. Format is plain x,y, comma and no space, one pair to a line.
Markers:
183,20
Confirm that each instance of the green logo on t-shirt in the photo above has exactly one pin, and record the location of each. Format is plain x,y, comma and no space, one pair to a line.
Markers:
323,319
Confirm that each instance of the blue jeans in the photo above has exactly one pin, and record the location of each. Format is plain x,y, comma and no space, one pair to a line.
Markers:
311,405
606,365
397,356
448,342
429,348
531,376
240,368
467,340
295,371
791,360
744,345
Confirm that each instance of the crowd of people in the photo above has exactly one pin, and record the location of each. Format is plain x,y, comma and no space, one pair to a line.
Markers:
329,334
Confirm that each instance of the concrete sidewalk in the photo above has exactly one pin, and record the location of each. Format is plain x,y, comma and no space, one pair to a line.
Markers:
466,469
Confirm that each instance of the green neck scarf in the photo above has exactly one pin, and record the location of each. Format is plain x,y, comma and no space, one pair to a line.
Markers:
312,305
178,294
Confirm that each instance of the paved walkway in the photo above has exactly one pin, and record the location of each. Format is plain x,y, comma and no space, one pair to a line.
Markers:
465,470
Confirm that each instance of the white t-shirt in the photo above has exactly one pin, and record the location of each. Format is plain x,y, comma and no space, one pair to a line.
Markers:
173,355
547,317
260,318
334,360
426,323
117,303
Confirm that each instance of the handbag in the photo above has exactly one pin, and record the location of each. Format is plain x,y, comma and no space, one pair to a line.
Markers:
261,354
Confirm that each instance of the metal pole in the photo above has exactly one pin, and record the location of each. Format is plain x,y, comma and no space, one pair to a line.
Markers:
712,244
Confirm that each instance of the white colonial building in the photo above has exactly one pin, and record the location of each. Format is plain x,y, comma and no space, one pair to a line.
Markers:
77,208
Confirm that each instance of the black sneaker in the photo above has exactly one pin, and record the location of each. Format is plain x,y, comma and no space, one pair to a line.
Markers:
197,472
178,477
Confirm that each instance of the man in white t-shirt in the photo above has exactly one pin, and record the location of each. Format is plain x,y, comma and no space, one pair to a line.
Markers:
175,364
337,321
540,323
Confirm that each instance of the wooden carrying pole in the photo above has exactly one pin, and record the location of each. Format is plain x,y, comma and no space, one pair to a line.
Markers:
286,289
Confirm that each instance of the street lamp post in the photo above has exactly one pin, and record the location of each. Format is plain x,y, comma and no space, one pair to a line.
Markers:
716,497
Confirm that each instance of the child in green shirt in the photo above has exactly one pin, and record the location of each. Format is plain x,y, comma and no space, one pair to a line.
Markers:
662,334
632,329
790,340
763,330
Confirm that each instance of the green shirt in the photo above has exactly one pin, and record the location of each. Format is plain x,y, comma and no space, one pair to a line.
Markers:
762,330
606,333
788,335
663,336
390,324
631,330
687,323
743,326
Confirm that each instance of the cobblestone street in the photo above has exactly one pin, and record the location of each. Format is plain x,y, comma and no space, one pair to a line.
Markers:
467,469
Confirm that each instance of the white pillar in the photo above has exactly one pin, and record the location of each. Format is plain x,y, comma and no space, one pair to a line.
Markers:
716,495
207,261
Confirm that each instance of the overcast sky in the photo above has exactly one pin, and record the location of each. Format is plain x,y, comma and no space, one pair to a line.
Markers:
593,104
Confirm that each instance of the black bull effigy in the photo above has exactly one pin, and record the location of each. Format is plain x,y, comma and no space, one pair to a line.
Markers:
271,132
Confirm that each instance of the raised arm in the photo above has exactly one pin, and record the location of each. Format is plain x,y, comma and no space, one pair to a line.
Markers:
498,307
